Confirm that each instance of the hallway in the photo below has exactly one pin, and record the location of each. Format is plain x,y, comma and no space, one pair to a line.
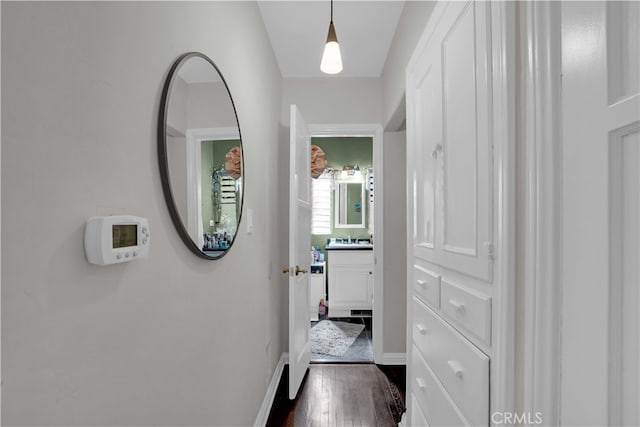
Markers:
342,394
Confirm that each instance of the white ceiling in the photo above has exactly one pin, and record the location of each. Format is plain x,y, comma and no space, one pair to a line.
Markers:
298,31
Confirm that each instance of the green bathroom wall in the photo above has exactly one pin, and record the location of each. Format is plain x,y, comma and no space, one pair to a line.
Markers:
342,151
346,150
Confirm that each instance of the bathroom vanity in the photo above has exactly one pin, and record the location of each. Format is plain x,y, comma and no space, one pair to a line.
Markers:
350,280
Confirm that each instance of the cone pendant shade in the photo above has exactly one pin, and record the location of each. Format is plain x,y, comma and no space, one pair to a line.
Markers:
331,60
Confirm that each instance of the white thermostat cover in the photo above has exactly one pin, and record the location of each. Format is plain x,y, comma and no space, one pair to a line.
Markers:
115,239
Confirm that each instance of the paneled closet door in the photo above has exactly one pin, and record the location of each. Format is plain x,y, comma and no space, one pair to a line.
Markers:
424,99
449,98
601,213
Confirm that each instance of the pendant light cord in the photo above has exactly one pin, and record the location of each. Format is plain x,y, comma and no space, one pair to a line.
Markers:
331,11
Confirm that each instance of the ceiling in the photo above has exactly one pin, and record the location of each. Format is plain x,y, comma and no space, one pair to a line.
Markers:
298,31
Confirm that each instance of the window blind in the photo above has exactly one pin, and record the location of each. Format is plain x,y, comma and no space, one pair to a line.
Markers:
321,204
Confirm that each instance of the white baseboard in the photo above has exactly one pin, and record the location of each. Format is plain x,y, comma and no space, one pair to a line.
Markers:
394,359
267,402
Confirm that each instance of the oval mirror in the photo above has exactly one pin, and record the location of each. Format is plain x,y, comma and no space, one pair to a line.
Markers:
200,155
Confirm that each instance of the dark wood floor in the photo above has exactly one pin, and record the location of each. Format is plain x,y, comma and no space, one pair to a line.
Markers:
341,395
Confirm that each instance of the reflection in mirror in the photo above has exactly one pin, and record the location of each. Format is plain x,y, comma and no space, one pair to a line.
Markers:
200,154
220,207
349,206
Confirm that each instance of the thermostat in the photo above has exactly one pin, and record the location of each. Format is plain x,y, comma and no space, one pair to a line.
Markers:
115,239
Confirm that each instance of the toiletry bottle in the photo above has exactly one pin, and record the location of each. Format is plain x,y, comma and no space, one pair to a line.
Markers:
322,308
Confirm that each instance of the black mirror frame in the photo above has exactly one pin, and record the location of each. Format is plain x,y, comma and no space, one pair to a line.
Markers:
163,161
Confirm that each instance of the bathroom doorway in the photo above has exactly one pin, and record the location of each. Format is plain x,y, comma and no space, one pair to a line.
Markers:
346,326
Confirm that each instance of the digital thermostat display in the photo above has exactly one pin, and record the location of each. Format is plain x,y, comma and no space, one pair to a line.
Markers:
124,235
115,239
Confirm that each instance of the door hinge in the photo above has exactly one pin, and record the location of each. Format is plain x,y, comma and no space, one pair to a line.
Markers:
491,250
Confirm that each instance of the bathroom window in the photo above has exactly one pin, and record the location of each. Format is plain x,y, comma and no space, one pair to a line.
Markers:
321,204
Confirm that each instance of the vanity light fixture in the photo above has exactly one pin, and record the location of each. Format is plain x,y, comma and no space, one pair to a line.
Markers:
331,61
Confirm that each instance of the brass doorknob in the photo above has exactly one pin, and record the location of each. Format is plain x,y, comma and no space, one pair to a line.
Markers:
285,270
300,270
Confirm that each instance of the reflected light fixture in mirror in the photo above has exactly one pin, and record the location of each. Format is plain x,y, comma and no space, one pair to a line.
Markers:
331,59
200,156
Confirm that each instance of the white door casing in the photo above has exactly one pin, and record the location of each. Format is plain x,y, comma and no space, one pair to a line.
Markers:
600,234
541,197
299,250
375,132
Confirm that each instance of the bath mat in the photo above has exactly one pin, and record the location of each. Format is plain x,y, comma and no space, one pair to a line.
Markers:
334,337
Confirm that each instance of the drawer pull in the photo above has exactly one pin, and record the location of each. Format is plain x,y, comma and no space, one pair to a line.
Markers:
457,305
422,284
456,368
421,384
422,329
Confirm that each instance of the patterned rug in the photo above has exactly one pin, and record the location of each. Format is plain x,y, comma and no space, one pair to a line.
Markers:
334,337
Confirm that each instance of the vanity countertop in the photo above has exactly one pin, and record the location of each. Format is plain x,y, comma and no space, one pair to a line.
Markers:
349,247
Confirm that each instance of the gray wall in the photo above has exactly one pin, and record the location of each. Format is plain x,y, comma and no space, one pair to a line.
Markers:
334,99
395,246
168,340
413,21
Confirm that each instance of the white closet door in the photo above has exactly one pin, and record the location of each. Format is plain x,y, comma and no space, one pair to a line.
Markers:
424,99
601,192
451,103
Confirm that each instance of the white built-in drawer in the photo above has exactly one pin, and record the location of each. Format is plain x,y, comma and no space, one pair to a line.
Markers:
427,286
467,309
417,416
459,365
431,395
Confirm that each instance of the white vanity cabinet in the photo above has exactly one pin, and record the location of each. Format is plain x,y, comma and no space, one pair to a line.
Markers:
350,281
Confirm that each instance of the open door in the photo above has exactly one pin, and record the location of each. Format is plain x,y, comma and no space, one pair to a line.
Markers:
299,250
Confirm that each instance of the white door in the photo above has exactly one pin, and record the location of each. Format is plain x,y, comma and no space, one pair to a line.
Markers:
601,189
299,250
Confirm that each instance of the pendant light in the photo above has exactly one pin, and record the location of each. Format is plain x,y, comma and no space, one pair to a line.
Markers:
331,61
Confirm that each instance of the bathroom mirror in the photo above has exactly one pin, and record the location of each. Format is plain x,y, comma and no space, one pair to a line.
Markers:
200,156
349,204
